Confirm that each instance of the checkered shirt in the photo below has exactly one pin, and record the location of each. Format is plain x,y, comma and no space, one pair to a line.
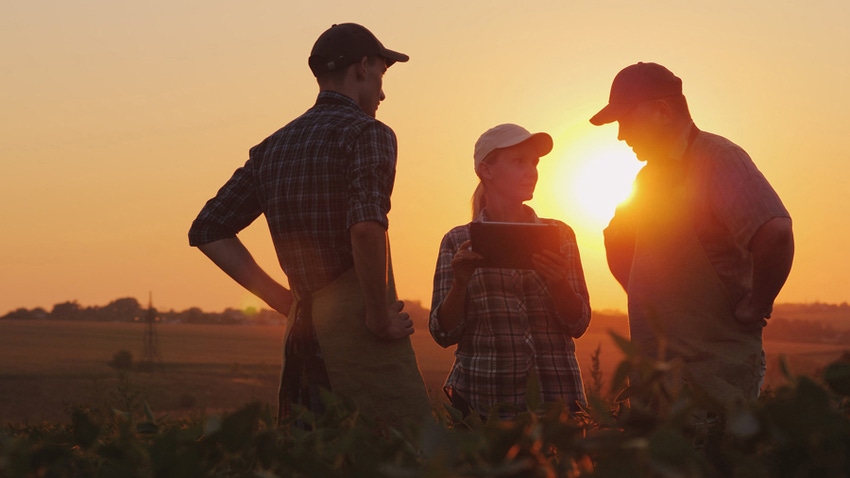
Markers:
511,330
328,169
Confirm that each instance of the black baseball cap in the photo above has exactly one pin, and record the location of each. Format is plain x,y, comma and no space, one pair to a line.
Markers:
346,43
636,83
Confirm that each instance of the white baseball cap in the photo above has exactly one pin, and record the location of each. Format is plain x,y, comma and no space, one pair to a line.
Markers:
507,135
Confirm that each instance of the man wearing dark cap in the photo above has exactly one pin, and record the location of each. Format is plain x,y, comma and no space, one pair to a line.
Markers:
323,182
704,245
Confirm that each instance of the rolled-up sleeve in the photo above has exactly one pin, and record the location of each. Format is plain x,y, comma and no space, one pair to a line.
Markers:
575,277
741,197
443,277
371,175
233,208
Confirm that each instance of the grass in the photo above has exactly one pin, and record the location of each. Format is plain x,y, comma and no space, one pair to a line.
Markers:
46,367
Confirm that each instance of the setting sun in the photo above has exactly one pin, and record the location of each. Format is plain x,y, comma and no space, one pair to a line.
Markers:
119,126
596,174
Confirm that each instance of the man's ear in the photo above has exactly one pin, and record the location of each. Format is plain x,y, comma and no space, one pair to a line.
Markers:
362,66
664,111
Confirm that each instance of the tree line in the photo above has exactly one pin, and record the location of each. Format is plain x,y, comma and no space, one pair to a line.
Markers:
128,309
810,323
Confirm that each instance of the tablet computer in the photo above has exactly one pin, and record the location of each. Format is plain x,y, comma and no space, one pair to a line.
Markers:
510,245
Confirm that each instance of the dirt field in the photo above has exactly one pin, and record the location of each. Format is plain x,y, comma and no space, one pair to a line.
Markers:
48,366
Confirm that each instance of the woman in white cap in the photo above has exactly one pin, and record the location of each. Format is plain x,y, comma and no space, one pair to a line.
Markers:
509,324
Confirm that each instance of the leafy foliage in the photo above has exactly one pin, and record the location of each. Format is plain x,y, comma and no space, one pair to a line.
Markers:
799,429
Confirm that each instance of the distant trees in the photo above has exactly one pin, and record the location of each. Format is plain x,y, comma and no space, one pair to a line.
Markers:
122,310
122,360
37,313
128,309
66,311
813,322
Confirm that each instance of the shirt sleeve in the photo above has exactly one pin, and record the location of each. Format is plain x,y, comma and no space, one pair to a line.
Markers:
443,278
575,277
371,175
740,196
233,208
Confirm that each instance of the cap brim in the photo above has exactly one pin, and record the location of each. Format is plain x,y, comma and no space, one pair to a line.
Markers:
608,114
393,56
542,142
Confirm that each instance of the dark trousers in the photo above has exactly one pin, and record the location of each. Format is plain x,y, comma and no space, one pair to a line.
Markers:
304,372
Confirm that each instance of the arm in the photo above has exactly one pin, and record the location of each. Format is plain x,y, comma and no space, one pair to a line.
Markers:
371,174
231,256
750,209
369,246
619,236
554,270
772,249
452,311
620,246
564,277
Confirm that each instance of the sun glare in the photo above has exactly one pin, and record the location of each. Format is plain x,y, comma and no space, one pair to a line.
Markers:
596,177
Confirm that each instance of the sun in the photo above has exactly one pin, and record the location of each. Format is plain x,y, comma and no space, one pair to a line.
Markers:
602,180
594,176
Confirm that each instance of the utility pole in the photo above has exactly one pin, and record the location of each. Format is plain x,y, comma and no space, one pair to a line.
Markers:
150,354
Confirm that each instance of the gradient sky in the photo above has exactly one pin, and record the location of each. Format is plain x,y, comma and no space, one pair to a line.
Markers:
120,119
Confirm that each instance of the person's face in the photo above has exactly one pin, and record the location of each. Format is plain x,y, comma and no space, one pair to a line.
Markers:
372,92
643,129
512,173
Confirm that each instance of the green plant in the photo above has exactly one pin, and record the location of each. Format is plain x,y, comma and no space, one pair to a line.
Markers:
801,429
597,382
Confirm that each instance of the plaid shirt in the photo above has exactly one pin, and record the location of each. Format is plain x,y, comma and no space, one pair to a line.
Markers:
731,200
326,170
511,330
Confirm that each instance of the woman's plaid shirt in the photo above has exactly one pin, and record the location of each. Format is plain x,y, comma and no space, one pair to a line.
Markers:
511,330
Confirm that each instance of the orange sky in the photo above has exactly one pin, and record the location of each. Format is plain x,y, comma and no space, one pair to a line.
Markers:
120,120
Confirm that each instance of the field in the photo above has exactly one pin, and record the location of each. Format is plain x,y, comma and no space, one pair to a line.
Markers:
48,366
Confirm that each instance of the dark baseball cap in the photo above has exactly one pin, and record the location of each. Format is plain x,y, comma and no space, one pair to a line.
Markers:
346,43
636,83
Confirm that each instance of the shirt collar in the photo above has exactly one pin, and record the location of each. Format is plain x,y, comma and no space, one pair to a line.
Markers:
677,152
328,97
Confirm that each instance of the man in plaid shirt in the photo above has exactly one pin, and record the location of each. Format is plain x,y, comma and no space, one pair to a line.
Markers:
702,248
324,182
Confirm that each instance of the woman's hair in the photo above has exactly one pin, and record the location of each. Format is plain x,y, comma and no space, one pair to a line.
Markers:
478,199
478,202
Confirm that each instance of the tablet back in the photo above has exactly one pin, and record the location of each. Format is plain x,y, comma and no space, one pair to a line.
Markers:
509,244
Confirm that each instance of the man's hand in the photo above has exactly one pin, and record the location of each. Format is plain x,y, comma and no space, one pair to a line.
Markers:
394,325
751,315
282,302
